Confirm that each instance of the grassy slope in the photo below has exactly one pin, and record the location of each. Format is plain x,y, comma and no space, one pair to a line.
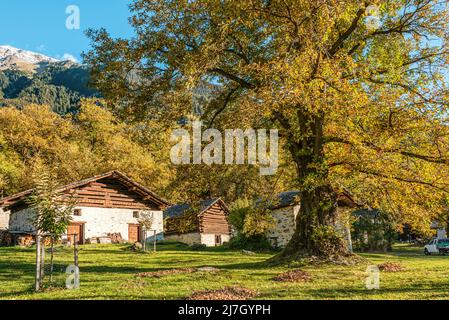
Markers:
108,272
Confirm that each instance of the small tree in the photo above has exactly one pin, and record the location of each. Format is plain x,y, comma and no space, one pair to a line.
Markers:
53,210
146,219
251,221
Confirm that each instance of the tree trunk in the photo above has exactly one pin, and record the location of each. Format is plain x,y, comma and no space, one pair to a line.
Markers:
42,268
314,234
51,258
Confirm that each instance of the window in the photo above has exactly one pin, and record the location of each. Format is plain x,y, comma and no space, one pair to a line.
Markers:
135,214
77,212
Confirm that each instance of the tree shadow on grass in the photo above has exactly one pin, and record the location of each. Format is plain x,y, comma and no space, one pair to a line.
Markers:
170,265
247,266
363,293
17,294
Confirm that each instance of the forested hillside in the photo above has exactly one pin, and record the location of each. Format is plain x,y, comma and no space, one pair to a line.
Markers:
60,85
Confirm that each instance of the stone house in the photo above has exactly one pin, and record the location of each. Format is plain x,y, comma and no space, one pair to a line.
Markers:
286,209
4,220
204,222
106,204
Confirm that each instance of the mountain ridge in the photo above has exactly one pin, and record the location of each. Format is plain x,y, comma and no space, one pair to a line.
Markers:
29,77
12,58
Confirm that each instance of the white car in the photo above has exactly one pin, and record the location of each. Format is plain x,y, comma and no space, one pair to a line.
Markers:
440,246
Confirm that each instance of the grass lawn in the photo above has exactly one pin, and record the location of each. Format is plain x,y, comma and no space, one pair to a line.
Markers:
108,272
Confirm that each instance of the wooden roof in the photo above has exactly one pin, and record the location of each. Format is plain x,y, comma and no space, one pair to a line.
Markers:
146,193
291,198
179,209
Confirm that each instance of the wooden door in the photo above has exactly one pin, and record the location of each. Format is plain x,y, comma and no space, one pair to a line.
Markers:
78,230
218,241
133,233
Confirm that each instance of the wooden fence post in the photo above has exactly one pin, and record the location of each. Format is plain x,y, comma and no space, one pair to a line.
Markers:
42,268
154,240
37,283
143,234
75,250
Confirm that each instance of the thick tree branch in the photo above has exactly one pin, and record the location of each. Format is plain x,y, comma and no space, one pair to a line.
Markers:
427,158
338,44
232,77
227,99
402,179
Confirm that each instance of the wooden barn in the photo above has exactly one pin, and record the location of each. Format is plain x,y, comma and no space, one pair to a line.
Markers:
205,222
105,204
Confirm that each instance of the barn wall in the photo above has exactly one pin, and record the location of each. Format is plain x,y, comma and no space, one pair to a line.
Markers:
4,219
22,221
101,221
197,238
214,221
284,227
209,239
187,238
98,221
110,193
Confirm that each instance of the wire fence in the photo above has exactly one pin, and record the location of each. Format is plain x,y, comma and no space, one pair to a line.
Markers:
56,263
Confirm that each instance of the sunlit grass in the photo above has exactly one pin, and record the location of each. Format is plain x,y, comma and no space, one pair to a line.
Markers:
108,272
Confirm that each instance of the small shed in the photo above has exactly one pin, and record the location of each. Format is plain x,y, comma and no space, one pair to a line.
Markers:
204,222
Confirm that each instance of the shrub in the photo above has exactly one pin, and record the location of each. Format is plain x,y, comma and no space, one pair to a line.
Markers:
198,247
373,231
253,243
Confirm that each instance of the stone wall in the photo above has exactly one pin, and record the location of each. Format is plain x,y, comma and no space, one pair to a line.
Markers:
197,238
209,239
187,238
4,219
98,222
22,221
284,225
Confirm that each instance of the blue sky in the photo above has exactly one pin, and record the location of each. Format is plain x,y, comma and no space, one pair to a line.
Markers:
40,25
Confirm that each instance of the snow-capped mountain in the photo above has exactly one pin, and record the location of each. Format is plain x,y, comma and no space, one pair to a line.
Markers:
24,60
29,77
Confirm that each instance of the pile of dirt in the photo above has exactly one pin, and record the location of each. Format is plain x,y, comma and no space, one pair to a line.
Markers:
161,273
134,284
228,293
293,276
391,267
208,269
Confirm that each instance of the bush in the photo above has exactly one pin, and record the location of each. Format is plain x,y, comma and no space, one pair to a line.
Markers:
198,247
252,243
373,231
